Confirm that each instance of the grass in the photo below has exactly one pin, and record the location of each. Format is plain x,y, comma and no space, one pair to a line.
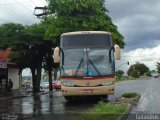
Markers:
130,95
103,111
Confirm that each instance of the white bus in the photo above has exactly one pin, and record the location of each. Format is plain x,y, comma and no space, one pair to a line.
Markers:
87,63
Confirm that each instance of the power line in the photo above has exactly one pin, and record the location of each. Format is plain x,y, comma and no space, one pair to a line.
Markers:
11,8
15,10
14,3
18,13
43,1
20,2
24,6
12,17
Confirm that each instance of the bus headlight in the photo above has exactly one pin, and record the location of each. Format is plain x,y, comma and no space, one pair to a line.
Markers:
68,83
107,83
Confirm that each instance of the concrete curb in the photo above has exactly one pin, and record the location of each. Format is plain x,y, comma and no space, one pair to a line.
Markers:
10,98
126,114
132,101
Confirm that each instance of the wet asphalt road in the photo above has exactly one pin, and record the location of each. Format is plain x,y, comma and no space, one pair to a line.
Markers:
149,102
45,106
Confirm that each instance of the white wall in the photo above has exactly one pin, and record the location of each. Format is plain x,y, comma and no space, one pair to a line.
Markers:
13,75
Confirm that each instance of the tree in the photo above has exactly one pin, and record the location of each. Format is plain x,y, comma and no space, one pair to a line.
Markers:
25,48
153,71
48,65
158,67
148,74
10,34
119,74
30,49
137,70
40,52
80,15
134,74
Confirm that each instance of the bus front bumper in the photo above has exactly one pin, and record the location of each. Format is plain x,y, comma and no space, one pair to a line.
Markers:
85,91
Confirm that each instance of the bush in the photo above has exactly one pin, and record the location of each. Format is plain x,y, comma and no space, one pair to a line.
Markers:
148,74
130,95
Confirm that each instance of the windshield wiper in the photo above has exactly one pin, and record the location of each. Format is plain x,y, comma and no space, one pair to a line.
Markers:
89,61
79,66
80,63
94,67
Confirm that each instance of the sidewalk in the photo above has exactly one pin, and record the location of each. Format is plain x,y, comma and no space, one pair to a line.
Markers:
15,94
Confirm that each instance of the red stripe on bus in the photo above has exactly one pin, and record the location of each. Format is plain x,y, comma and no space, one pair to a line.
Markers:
99,78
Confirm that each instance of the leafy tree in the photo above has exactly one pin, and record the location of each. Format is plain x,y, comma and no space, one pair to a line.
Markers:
119,74
158,67
80,15
30,49
48,65
25,47
10,34
41,53
153,71
137,68
134,74
148,74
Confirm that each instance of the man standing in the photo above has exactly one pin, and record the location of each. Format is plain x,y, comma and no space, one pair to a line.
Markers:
10,85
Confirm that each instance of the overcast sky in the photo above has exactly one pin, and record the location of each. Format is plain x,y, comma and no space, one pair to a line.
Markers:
19,11
137,20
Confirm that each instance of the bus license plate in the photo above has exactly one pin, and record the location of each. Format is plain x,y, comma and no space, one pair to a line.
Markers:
87,91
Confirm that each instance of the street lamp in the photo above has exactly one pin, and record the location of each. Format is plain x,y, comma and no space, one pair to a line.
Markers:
123,64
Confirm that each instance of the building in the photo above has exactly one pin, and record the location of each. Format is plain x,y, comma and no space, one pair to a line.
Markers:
8,70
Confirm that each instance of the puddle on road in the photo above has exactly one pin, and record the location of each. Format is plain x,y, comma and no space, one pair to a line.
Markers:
146,101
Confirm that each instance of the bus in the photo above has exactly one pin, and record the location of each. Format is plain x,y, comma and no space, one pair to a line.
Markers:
87,63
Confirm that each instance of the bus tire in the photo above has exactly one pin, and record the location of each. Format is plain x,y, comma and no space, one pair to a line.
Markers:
105,98
68,98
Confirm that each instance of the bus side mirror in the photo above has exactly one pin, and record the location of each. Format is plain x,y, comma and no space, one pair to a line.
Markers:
117,52
56,55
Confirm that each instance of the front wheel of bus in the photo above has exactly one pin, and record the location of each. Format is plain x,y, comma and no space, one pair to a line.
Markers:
68,98
105,98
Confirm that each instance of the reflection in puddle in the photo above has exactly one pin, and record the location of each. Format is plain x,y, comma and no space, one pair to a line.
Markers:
146,100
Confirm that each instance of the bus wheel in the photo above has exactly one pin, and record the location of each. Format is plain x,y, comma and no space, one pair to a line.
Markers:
69,98
105,98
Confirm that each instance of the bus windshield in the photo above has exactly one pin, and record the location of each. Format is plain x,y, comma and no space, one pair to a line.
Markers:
87,62
86,55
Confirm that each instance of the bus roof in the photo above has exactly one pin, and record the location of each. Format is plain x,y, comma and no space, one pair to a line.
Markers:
85,32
